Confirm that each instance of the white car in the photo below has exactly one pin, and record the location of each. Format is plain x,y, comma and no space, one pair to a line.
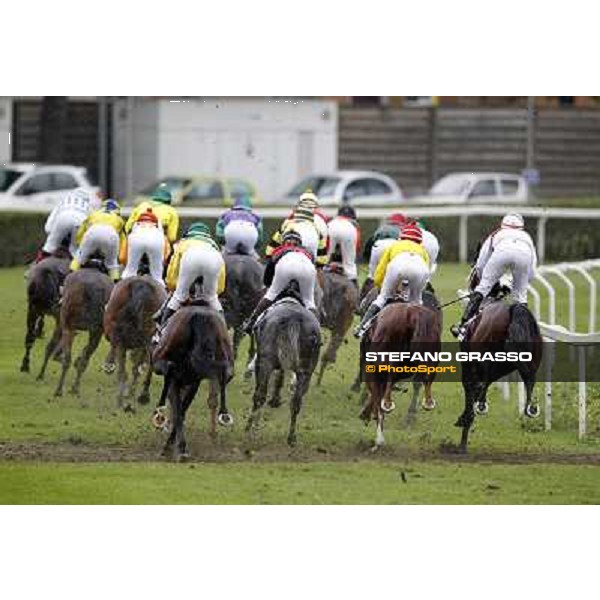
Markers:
30,185
358,188
477,188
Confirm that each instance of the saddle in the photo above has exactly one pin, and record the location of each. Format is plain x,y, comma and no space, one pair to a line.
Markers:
290,295
95,263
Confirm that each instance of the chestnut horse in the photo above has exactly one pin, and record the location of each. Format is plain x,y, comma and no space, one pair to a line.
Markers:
129,326
399,327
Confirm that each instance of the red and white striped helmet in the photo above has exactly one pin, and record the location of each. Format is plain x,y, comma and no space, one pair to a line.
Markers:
413,233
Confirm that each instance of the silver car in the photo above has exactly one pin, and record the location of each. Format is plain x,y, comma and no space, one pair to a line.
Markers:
358,188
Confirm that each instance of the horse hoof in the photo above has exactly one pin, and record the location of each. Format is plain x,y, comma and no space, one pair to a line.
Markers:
159,419
108,368
24,368
291,440
74,391
274,403
532,411
143,399
481,408
428,404
225,419
128,408
387,408
58,394
39,378
183,457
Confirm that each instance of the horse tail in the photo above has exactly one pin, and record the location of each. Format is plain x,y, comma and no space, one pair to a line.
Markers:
289,345
522,326
205,341
44,288
134,310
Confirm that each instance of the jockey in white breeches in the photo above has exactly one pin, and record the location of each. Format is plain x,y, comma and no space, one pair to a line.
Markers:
432,247
509,248
66,218
240,234
146,237
345,236
377,251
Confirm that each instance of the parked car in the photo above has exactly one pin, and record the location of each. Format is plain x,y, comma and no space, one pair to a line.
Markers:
203,191
477,188
358,188
24,185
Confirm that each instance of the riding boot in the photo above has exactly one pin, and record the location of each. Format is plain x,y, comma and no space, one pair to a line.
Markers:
366,320
260,308
470,312
367,286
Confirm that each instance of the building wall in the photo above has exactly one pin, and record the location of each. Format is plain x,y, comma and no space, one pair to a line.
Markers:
270,142
5,128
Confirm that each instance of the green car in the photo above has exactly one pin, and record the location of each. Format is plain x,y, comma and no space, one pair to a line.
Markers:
203,191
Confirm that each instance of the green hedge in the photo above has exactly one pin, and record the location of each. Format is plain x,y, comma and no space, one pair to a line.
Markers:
22,234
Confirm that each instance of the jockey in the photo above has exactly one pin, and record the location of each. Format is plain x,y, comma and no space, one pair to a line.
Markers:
65,219
240,229
509,248
161,206
344,238
101,232
195,256
309,200
384,236
302,222
290,261
405,260
147,238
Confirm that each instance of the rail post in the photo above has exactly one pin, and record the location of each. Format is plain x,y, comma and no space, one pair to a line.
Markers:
463,241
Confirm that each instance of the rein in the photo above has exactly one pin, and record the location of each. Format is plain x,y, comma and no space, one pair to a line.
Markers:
456,300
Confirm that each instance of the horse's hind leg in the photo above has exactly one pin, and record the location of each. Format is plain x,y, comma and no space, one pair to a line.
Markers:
94,337
32,316
532,410
260,396
184,401
237,338
108,366
330,355
51,347
121,358
473,393
213,403
66,343
411,413
144,397
275,400
224,417
302,383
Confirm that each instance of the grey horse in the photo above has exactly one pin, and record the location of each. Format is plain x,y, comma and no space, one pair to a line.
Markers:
288,338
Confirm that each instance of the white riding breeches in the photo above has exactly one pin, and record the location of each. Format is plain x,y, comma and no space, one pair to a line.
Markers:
432,247
309,235
294,265
205,262
66,223
376,252
515,258
406,266
104,240
343,234
151,242
240,233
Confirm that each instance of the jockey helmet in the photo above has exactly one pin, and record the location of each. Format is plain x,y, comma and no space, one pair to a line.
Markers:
111,206
198,229
148,216
513,221
309,199
302,213
347,211
292,237
162,195
413,233
243,203
397,219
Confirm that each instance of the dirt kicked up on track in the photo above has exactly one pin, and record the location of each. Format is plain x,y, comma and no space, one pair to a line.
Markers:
83,450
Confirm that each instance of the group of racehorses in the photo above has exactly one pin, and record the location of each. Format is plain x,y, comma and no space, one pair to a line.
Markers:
287,339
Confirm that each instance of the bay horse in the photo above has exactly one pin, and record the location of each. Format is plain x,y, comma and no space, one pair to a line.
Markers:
243,289
499,326
85,295
340,297
194,346
44,281
288,339
399,327
129,326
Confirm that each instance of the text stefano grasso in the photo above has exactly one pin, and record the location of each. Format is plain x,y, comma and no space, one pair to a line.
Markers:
421,357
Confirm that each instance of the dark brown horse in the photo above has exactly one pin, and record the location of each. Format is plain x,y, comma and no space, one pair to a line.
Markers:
129,326
498,327
400,327
44,281
340,297
85,295
195,345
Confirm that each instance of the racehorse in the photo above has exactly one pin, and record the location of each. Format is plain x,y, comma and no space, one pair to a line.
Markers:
43,294
340,297
243,290
401,327
128,326
288,338
85,295
194,346
498,327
